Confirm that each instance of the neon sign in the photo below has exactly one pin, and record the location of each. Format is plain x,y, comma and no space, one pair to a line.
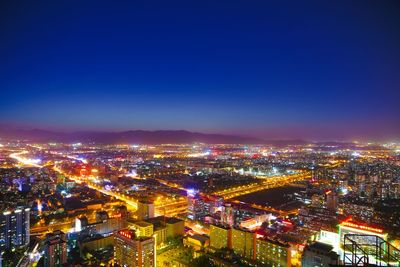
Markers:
362,227
126,234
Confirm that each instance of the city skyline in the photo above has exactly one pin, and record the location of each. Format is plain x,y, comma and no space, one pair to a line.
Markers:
266,70
199,133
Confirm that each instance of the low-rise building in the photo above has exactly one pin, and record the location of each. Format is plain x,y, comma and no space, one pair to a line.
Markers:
319,254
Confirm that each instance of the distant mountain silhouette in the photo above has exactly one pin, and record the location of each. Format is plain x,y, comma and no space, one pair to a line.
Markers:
125,137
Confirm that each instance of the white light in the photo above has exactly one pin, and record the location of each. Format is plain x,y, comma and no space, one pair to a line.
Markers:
78,225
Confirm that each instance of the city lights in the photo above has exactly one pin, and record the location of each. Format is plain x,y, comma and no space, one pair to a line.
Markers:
200,134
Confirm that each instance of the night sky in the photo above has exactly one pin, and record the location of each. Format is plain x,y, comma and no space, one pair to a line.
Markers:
299,69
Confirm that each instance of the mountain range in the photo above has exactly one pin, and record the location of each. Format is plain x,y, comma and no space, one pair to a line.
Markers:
125,137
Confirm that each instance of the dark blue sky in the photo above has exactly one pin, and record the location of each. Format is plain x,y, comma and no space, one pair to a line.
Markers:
308,69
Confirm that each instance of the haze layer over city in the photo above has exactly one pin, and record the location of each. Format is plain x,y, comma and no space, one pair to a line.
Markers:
199,133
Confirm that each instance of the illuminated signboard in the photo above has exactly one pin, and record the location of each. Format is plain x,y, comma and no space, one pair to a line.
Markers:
361,227
127,234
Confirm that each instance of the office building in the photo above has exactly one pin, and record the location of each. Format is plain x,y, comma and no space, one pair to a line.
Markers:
160,234
244,243
145,210
55,249
142,228
192,198
227,217
199,207
133,251
220,237
92,243
331,200
14,228
175,227
273,253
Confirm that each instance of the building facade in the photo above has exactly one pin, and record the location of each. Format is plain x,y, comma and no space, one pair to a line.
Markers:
244,243
14,228
273,253
55,249
133,251
220,237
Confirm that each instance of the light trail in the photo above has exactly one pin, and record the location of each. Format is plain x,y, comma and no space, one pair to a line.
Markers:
160,208
25,161
121,197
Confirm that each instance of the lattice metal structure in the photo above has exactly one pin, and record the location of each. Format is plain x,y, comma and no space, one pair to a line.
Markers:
369,250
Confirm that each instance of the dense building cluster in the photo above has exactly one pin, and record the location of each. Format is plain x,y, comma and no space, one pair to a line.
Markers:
198,205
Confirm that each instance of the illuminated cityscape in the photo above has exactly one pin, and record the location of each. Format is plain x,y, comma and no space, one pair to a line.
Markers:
199,134
186,204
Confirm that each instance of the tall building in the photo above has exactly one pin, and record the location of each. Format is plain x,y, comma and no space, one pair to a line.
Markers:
133,251
273,253
331,200
55,249
14,228
244,243
198,206
220,236
192,203
145,210
227,216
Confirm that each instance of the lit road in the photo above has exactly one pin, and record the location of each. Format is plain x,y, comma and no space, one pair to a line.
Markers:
63,226
128,200
25,161
164,206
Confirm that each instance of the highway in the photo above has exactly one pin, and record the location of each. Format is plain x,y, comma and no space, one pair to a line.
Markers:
25,161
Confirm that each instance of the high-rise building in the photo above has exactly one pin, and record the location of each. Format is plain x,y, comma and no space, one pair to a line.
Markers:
198,206
331,200
14,228
220,237
244,243
55,249
192,201
133,251
145,210
272,253
227,216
